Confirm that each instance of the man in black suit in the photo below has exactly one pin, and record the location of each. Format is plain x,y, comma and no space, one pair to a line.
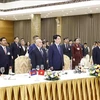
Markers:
96,54
5,55
67,48
23,48
15,50
38,55
33,46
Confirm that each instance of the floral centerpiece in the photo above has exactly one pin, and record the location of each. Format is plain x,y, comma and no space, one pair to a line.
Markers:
79,69
52,75
95,70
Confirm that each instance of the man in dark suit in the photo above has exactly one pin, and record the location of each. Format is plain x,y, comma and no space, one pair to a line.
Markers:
55,54
96,54
5,55
67,48
38,55
15,50
33,46
23,48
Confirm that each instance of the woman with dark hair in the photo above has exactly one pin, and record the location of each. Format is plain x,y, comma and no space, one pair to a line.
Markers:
76,53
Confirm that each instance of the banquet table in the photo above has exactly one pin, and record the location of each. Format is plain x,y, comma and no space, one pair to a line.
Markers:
70,87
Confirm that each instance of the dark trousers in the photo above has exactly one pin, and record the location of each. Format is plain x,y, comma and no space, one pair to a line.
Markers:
13,65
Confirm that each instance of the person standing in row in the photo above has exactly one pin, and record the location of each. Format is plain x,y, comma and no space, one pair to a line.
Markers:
55,54
96,54
66,48
38,55
23,48
33,46
76,53
15,50
5,55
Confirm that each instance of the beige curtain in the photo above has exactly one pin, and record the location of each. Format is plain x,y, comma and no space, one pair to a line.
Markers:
23,29
85,27
48,28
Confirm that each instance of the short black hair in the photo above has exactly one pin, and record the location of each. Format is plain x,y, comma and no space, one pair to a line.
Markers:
65,38
16,37
85,43
2,38
70,40
35,36
95,42
55,37
44,42
76,39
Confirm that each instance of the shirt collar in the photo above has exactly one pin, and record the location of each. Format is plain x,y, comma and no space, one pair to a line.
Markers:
56,44
3,46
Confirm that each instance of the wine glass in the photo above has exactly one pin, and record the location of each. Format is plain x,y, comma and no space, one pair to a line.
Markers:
2,69
37,68
42,67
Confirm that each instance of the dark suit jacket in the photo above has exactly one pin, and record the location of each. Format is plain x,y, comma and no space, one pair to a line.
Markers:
15,50
96,55
31,48
67,50
22,52
38,59
55,58
5,59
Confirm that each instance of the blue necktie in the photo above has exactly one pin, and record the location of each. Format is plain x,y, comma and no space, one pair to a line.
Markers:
59,49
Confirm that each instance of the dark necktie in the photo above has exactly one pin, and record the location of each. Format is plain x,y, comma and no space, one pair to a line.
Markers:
59,49
41,51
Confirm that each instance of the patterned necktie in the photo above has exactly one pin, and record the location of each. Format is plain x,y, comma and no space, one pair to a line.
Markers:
41,51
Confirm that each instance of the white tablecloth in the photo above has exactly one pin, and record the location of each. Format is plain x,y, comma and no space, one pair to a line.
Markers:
22,79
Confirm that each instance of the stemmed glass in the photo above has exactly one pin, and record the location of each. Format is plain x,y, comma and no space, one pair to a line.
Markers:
2,69
37,69
42,67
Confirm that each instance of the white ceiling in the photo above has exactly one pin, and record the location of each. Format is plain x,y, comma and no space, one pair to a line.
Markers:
80,8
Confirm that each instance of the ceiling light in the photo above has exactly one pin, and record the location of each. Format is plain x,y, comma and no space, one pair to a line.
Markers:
90,10
97,8
62,10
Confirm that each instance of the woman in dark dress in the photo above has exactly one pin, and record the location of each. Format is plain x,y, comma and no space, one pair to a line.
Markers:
76,53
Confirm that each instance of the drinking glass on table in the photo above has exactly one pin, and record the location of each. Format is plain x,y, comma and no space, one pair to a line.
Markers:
42,67
37,69
2,70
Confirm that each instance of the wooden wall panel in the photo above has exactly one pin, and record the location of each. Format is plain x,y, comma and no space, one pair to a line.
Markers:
7,30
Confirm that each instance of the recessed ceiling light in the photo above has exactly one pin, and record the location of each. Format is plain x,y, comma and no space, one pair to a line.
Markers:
62,10
97,8
88,7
